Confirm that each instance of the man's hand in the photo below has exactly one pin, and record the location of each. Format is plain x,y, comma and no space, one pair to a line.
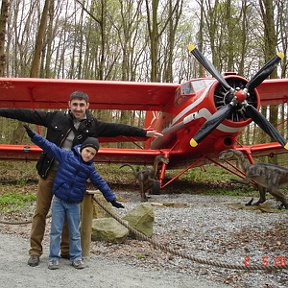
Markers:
116,204
29,131
153,133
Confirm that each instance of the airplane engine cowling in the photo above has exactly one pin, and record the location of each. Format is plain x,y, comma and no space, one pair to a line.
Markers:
223,98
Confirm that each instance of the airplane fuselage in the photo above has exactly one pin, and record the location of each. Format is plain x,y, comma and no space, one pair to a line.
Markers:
192,105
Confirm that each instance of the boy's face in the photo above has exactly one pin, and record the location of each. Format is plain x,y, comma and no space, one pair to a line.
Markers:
88,153
78,108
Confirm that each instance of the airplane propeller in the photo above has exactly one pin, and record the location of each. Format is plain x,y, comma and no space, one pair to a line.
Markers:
208,65
238,100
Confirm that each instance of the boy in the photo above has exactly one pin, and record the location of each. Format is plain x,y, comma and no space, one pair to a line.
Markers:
69,187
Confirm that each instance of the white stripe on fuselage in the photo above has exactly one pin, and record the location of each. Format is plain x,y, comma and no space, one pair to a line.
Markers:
191,106
204,112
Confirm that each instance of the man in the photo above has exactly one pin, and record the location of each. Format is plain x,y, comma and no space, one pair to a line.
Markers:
65,129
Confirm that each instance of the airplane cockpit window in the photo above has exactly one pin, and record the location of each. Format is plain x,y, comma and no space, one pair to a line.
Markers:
189,89
200,84
186,88
184,92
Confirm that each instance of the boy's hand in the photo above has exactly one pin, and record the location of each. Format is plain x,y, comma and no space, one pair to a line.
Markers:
29,131
116,204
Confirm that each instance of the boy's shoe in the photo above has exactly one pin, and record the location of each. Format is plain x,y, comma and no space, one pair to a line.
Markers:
53,264
34,260
78,264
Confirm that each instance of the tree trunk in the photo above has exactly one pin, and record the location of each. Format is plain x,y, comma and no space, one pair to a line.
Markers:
3,31
270,39
35,68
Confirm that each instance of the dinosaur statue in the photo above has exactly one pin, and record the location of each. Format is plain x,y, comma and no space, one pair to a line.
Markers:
268,177
147,178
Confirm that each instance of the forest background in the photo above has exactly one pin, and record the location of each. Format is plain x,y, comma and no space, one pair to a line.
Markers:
145,40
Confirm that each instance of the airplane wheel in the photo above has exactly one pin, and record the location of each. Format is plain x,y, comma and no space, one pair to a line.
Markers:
155,188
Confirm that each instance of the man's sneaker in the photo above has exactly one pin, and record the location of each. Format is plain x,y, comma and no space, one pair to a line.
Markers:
53,264
78,264
34,260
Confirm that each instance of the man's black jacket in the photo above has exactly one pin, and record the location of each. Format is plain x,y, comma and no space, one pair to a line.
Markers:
60,123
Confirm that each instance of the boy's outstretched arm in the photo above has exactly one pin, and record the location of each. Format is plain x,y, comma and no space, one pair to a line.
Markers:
103,186
46,145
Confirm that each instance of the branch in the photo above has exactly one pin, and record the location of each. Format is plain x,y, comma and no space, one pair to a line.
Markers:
89,13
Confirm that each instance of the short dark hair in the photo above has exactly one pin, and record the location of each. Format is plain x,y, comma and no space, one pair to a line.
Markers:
79,95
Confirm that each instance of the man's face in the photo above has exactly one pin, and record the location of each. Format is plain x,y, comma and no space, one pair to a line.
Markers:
78,108
88,153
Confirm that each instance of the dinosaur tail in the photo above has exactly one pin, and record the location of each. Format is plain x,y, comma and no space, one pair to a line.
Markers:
131,167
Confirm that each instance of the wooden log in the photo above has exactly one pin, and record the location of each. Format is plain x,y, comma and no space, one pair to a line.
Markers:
86,221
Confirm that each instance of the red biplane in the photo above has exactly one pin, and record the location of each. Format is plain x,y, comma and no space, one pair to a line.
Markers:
199,118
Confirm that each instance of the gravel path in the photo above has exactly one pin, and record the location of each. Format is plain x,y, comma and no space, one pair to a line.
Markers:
208,227
100,272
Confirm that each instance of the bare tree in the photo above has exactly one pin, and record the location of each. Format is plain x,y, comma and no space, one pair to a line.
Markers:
174,15
282,31
35,67
3,31
200,36
21,27
270,44
47,56
156,28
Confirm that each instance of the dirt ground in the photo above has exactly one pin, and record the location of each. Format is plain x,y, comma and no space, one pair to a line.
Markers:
216,228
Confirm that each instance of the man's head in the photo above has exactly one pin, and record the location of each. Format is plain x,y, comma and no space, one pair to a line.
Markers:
78,104
89,149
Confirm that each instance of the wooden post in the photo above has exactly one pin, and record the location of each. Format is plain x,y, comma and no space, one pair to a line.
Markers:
86,221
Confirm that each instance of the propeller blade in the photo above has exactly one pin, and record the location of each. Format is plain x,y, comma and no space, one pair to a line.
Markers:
265,125
211,124
208,65
264,72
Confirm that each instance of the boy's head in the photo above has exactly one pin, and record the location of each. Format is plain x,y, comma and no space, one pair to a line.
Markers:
78,104
89,149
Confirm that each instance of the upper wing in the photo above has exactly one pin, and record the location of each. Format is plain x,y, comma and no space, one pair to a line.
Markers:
122,95
274,91
53,93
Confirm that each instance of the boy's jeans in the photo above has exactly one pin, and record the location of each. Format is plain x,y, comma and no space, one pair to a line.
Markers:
61,208
43,203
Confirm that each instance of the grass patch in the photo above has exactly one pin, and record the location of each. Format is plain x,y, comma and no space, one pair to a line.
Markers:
12,202
206,180
208,173
19,172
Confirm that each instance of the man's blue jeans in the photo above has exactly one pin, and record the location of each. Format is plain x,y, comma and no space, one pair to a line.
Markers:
60,209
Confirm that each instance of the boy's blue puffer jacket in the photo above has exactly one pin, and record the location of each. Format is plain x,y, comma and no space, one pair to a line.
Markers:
72,173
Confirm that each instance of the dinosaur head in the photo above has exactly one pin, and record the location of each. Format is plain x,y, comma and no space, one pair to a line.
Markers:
230,154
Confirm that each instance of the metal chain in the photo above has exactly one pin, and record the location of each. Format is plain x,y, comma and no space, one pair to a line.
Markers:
186,256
